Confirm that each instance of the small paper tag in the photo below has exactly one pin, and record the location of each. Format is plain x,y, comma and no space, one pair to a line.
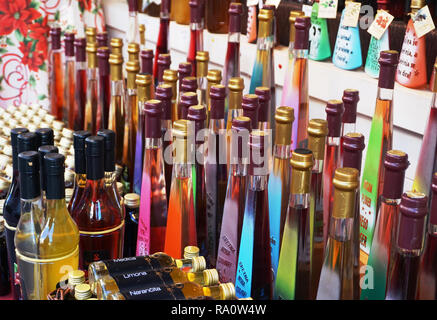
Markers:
351,14
328,9
250,3
307,10
380,24
273,2
423,22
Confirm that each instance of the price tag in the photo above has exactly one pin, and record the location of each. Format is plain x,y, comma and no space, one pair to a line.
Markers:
251,3
423,22
351,14
273,2
328,9
307,10
380,24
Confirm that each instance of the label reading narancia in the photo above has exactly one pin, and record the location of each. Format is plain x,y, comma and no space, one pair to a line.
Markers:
152,293
328,9
423,22
380,24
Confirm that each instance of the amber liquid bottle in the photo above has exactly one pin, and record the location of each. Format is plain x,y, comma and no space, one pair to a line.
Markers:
100,221
217,17
57,75
180,11
77,114
92,89
69,80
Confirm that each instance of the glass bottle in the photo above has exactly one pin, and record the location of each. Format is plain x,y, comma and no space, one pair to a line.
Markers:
103,88
336,278
188,99
404,268
347,50
77,114
92,89
185,69
334,112
279,181
250,106
69,80
133,33
215,171
293,280
181,222
21,140
216,16
47,241
427,275
202,59
5,280
254,271
42,151
146,59
411,70
153,207
131,206
235,98
395,163
295,90
233,208
196,32
427,163
56,74
170,78
197,119
180,11
317,132
163,63
162,46
100,222
320,48
380,141
349,119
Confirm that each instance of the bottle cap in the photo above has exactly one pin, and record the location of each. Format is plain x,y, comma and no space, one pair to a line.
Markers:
264,97
191,252
317,132
217,95
235,12
188,99
236,87
55,175
388,62
27,142
417,5
185,70
80,45
82,291
153,113
44,150
109,141
91,50
94,157
345,183
211,277
302,163
103,60
198,264
116,46
133,50
395,164
189,84
202,59
90,33
146,57
353,146
164,62
45,136
55,34
227,291
69,44
250,106
132,5
197,114
14,143
76,277
284,117
334,112
170,75
28,166
214,76
302,26
79,151
165,7
196,13
132,200
240,132
350,101
164,93
258,155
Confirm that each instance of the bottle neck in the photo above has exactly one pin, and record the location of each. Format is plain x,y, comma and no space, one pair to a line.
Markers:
348,128
281,151
117,88
234,37
153,143
258,183
81,65
385,94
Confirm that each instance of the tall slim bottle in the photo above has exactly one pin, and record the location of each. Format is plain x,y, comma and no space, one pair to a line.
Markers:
100,222
347,50
349,119
162,46
320,48
215,171
197,117
170,78
69,80
233,208
181,222
427,275
279,181
395,163
334,112
336,278
77,114
380,141
404,269
427,163
202,59
295,91
163,63
56,75
411,70
196,32
254,276
153,205
133,33
92,95
103,89
11,207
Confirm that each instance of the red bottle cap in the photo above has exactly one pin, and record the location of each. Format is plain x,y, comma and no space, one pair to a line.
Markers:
395,164
188,99
242,126
302,26
146,57
350,101
235,12
133,5
55,34
250,106
334,112
217,95
69,44
164,94
413,211
165,6
80,45
153,112
164,62
102,39
264,97
103,60
388,62
196,13
353,146
189,84
197,114
184,70
257,144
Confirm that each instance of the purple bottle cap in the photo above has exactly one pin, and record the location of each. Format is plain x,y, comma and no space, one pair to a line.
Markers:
413,211
235,12
334,112
243,126
353,146
302,26
188,99
395,164
69,44
257,146
164,94
217,94
146,57
80,45
103,60
433,213
164,62
102,39
153,112
197,114
189,84
55,34
250,106
133,5
165,6
196,12
184,70
264,97
388,62
350,101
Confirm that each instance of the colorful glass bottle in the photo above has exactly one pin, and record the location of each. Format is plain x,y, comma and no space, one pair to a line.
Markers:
181,222
133,33
295,90
103,89
153,207
69,79
162,46
77,114
349,119
334,112
336,278
170,78
56,75
233,208
279,181
380,141
347,50
196,32
395,163
411,70
92,95
404,269
254,276
131,204
320,48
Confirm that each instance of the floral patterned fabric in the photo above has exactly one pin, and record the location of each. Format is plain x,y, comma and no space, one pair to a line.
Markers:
24,43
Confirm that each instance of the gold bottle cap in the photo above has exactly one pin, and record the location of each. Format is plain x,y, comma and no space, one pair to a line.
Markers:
211,277
434,85
170,75
236,84
180,135
345,183
191,251
132,200
346,179
115,59
133,50
214,76
227,291
265,18
142,28
284,117
302,163
202,56
417,4
82,291
317,132
143,79
116,46
180,128
265,15
198,263
132,68
90,33
76,277
302,159
116,63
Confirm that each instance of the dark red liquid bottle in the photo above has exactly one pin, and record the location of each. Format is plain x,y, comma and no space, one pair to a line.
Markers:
104,89
164,28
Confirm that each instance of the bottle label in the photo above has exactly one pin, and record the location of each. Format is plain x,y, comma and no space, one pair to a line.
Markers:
380,24
117,266
328,9
351,14
153,293
142,279
423,22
